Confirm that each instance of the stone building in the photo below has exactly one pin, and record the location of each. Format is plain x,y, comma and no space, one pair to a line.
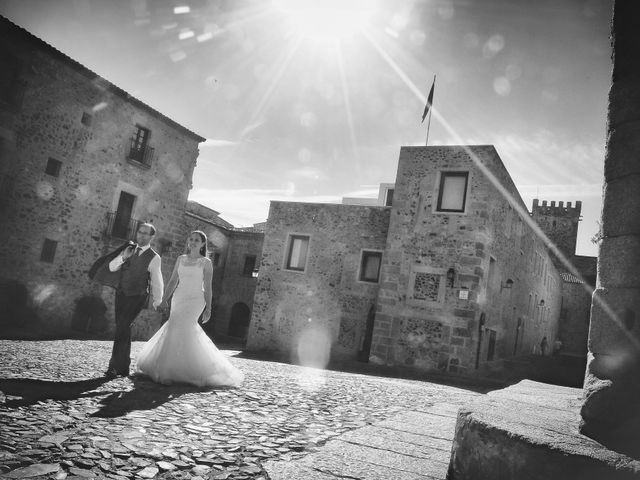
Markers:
235,254
559,222
82,162
446,273
318,280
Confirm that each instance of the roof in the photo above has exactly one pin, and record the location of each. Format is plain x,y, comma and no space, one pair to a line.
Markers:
7,24
570,278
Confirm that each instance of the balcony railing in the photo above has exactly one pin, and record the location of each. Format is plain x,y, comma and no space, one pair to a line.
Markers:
140,154
121,226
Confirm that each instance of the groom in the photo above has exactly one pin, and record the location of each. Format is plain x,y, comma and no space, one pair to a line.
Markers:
138,267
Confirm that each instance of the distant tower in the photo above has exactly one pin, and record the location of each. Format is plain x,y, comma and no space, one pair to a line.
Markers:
559,223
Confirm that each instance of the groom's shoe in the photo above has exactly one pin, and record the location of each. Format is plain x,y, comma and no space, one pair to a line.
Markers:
111,373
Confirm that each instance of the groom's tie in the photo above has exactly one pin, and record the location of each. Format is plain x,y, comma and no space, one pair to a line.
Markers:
138,251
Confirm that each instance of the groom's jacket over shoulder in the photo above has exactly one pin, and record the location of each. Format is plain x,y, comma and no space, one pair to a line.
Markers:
100,272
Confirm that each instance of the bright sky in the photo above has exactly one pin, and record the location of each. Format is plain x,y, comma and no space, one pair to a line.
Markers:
307,100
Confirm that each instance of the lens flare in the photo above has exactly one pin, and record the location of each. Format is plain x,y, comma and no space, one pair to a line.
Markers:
329,20
43,292
314,346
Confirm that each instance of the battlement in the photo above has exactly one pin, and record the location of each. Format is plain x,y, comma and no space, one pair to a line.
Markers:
559,210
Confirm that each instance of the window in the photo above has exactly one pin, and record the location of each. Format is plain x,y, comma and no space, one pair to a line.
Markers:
122,222
48,250
370,266
249,265
53,167
86,119
140,150
11,86
492,276
388,199
142,138
491,349
297,253
453,191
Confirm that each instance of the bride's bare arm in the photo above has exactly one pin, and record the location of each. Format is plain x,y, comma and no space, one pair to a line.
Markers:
173,283
208,277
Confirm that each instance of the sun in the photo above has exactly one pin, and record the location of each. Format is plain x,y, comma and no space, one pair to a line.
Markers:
327,20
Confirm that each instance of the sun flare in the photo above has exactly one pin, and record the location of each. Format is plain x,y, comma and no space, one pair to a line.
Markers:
327,20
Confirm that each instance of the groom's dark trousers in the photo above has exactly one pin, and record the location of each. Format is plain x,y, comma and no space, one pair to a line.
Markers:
127,308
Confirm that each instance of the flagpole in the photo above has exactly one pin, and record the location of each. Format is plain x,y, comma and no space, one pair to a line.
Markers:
428,126
428,108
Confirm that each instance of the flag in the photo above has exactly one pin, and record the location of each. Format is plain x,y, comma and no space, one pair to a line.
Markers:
427,107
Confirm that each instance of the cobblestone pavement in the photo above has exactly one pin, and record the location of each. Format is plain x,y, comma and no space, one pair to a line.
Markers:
60,419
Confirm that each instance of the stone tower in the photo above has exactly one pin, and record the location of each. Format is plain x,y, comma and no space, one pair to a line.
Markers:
559,223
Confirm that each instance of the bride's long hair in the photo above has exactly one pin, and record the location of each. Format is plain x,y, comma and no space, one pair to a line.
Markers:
204,251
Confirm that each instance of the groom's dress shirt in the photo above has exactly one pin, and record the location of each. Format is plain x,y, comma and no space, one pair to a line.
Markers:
155,273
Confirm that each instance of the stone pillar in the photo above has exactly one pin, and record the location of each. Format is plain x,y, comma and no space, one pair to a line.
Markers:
611,408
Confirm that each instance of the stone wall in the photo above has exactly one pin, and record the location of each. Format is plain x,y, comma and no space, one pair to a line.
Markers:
574,316
235,300
69,114
227,250
486,271
324,308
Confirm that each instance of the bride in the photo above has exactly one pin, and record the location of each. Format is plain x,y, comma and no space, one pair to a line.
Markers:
181,352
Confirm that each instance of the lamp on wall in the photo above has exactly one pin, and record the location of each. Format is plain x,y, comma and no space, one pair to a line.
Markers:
451,276
507,284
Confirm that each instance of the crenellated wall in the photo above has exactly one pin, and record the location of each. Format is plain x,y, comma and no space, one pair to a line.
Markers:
559,223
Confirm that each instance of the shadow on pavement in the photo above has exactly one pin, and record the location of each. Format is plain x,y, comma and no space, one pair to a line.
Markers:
31,390
145,395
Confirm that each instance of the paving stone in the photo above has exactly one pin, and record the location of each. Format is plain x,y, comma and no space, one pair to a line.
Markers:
34,470
282,413
79,472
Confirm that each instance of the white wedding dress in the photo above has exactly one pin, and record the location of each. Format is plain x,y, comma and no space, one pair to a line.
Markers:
181,352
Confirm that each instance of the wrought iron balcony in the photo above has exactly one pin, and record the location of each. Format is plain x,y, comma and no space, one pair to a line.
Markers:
141,154
121,226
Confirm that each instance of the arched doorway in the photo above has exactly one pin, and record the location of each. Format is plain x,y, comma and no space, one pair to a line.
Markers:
239,322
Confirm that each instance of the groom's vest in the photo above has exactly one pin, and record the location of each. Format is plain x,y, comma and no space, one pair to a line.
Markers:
134,273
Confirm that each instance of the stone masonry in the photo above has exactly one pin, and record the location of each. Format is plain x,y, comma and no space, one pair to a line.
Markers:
497,289
611,408
235,255
457,292
296,310
65,159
